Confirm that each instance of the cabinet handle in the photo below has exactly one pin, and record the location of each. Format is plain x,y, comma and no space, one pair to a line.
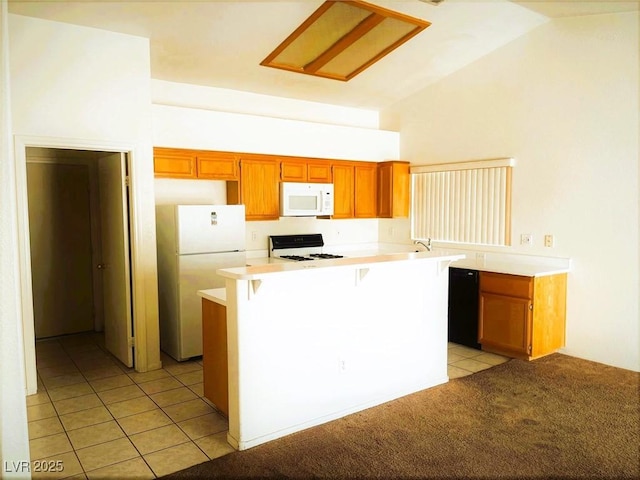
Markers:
531,306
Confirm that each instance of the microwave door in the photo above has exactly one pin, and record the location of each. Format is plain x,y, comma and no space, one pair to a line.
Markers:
304,203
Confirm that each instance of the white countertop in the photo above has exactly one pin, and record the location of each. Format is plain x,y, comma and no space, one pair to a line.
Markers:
254,261
216,295
258,271
510,267
512,264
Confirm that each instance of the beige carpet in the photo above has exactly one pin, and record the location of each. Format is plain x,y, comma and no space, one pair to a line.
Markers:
556,417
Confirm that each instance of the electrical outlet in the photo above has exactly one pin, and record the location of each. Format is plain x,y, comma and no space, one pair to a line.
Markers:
254,235
526,239
548,240
342,365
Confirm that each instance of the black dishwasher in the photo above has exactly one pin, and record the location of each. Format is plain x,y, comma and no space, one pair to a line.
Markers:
463,306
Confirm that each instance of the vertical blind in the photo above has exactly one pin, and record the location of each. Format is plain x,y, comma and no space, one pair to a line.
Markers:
467,202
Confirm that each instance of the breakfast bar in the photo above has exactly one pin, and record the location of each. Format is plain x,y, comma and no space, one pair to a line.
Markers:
310,342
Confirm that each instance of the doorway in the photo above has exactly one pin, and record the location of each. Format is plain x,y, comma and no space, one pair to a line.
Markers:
78,208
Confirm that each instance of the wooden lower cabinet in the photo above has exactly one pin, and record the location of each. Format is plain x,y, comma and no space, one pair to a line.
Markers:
522,317
214,355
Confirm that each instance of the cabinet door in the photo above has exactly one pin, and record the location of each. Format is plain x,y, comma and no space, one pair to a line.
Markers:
505,323
259,189
293,171
319,172
385,190
214,355
342,190
174,163
217,166
393,189
365,190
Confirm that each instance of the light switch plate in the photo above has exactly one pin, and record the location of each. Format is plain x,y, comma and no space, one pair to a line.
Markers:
548,240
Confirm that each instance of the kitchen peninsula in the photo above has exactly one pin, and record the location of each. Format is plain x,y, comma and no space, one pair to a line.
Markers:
310,342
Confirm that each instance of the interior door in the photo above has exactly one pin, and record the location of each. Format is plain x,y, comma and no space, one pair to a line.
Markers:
115,265
60,238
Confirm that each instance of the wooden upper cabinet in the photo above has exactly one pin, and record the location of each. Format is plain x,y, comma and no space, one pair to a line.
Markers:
174,163
343,190
185,163
319,171
393,189
361,189
305,170
259,188
293,170
217,165
365,187
354,189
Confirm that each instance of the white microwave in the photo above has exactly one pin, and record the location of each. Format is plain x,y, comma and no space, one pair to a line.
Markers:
306,199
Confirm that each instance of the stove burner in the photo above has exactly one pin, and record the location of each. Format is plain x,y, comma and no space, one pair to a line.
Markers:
297,258
299,247
325,255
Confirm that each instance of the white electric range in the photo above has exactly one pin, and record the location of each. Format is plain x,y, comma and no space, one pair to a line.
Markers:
299,247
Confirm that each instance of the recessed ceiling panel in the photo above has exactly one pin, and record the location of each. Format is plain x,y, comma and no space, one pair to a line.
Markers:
342,38
371,46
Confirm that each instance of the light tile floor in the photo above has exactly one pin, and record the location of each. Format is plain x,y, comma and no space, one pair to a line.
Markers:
463,361
103,420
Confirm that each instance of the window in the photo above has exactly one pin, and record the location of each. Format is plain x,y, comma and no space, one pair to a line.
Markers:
468,202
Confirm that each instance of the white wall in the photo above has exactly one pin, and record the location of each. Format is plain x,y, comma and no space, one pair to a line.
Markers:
14,435
562,100
89,88
212,130
234,101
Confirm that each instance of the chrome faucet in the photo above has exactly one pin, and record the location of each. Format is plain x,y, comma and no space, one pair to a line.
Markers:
425,245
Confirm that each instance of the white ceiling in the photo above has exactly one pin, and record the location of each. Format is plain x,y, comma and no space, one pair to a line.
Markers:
220,43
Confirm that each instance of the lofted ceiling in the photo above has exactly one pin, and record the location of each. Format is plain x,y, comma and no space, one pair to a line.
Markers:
220,43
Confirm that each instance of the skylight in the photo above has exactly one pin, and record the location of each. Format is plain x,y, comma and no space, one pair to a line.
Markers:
343,38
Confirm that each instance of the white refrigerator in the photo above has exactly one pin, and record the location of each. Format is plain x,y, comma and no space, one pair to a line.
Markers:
193,242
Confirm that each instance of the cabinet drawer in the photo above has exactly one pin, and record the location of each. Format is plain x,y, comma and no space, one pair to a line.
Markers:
509,285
